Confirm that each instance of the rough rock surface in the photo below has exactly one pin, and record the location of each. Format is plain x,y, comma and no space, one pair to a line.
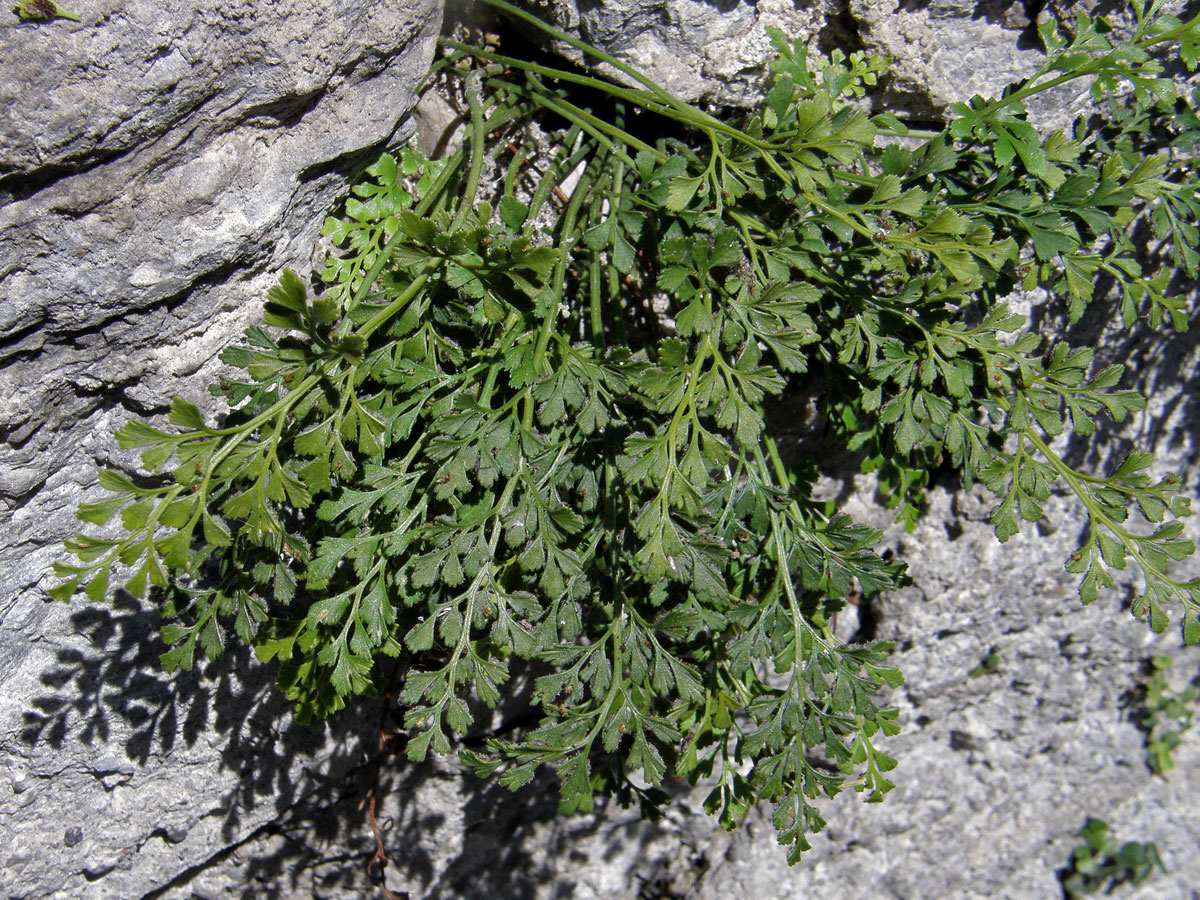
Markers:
715,51
157,165
708,50
943,52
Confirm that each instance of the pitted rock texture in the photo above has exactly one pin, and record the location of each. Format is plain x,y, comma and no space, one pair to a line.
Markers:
942,52
158,165
998,771
716,52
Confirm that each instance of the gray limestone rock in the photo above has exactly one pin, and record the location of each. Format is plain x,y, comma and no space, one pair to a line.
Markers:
999,771
942,52
713,51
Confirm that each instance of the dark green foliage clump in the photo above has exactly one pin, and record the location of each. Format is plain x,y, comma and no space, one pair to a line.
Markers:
523,427
1099,864
1166,715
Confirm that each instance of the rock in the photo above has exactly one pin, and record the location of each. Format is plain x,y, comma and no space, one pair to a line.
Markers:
943,53
158,165
997,773
711,52
153,165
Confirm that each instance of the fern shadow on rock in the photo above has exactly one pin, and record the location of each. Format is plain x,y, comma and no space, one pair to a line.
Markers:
511,845
114,698
117,694
517,845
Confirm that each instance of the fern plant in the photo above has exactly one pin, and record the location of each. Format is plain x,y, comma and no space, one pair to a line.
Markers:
524,424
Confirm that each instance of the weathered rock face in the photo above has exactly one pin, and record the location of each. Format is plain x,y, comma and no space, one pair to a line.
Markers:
713,52
149,155
944,50
157,166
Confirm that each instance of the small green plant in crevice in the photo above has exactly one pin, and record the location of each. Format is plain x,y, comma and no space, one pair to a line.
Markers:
1099,864
989,665
1166,714
42,11
523,425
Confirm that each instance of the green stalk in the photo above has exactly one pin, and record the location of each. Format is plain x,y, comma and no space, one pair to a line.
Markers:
464,208
596,312
638,98
568,238
654,88
602,132
563,166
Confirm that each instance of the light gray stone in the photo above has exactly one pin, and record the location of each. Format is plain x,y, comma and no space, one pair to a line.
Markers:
941,53
158,165
998,772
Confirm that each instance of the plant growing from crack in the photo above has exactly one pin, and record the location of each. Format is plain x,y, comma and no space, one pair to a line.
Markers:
1100,864
1166,715
989,665
528,417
